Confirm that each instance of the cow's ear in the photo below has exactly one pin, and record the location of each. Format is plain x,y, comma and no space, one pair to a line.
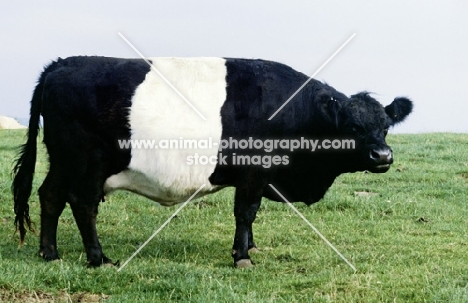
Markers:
399,109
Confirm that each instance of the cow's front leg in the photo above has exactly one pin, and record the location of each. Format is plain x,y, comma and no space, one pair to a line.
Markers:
246,203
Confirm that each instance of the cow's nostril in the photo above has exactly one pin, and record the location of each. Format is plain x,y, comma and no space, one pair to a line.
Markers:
374,155
381,155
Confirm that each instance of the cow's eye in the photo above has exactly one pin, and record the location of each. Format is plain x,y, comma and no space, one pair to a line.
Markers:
355,129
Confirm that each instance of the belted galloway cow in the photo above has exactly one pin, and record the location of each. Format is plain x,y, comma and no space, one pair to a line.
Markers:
92,107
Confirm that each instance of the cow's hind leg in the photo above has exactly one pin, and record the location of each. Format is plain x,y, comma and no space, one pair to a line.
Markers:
85,215
53,199
84,195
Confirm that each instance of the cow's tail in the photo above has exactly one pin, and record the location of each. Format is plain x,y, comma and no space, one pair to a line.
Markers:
23,170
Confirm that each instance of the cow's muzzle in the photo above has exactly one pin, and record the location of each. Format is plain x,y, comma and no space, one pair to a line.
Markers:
381,159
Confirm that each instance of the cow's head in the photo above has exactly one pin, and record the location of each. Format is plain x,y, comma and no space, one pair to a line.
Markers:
367,122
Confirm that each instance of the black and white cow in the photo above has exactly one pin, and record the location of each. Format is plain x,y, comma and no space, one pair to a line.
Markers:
88,104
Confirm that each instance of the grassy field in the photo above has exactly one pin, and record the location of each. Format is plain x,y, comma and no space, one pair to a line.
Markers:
405,231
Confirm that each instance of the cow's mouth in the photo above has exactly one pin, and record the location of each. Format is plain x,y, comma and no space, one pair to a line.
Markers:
381,159
382,168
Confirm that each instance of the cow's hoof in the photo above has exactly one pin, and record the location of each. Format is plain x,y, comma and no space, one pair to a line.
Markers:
254,250
109,265
104,261
116,263
49,256
244,263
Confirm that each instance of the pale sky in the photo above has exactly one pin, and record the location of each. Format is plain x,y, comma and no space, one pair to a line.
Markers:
416,49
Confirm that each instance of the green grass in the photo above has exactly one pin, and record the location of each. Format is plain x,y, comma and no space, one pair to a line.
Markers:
407,238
